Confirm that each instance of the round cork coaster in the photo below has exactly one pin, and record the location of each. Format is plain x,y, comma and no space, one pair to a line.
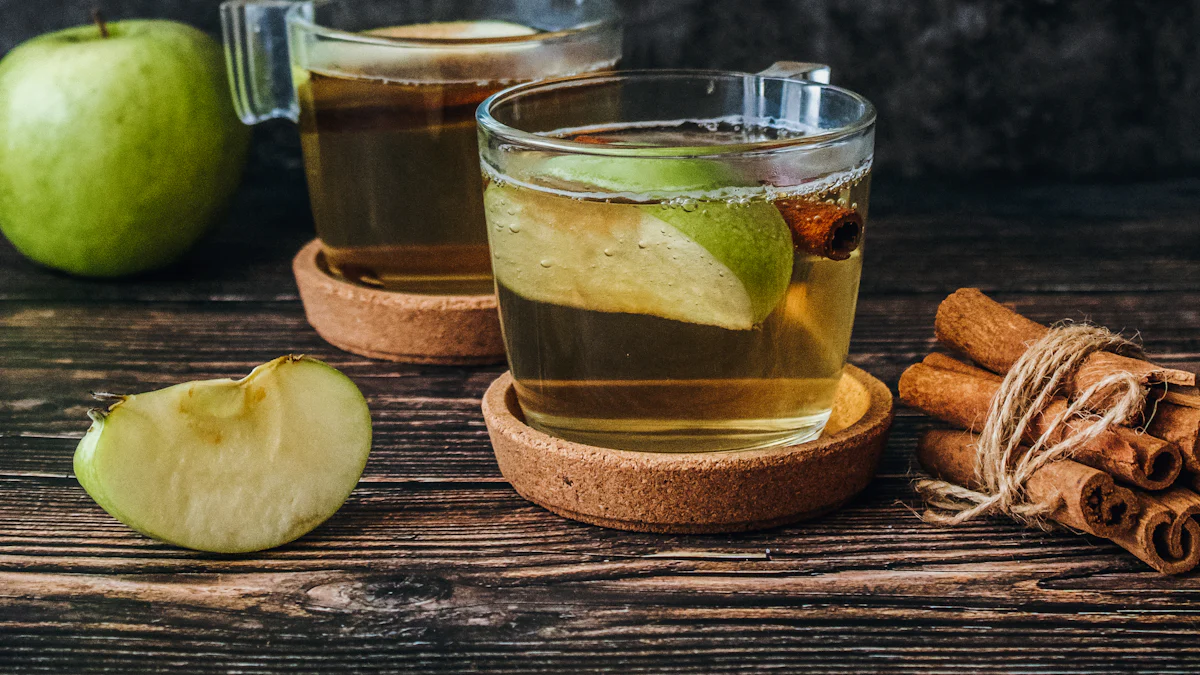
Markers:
695,492
407,327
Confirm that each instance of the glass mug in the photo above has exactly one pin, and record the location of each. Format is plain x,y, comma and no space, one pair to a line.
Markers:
651,235
385,97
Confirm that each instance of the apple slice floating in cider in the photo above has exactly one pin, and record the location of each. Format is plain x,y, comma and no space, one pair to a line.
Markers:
711,262
230,466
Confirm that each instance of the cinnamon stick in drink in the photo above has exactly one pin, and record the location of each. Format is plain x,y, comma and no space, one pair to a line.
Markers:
822,228
1087,499
963,399
995,337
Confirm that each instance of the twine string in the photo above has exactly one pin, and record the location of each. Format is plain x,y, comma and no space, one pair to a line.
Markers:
1002,466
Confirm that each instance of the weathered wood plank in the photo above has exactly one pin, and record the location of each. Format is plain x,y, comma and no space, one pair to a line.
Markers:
445,581
489,525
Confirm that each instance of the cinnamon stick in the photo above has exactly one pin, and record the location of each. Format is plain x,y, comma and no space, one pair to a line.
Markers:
822,228
995,337
1182,395
963,399
1175,424
1179,425
945,362
1167,536
1087,499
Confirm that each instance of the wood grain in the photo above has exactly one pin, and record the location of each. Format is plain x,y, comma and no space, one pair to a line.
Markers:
435,565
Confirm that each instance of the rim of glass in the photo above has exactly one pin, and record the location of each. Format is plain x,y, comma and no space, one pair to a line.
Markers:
483,116
294,16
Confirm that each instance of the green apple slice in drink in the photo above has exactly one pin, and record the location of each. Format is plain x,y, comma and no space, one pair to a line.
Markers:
230,466
707,262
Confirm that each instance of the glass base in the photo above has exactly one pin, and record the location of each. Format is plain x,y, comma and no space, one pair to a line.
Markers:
648,435
378,277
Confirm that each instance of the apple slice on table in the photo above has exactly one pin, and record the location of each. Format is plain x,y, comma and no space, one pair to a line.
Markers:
230,466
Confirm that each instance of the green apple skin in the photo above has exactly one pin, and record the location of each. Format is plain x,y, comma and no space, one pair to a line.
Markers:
116,153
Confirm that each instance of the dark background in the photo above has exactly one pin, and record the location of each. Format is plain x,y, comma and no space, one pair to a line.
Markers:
967,90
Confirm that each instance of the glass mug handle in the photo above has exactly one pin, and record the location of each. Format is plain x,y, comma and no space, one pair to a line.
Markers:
257,57
798,70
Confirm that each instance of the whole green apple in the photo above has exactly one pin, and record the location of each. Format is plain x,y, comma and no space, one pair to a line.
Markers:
118,147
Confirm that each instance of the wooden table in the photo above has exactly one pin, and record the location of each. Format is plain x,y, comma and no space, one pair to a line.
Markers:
435,565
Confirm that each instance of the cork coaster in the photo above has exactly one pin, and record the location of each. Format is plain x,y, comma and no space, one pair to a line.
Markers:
695,492
407,327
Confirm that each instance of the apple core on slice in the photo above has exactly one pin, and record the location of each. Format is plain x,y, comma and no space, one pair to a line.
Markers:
708,262
230,466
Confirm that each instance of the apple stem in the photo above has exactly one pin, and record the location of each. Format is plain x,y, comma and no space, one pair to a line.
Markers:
99,20
105,397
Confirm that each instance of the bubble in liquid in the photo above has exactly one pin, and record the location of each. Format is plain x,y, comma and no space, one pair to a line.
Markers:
609,252
642,244
514,228
687,204
546,263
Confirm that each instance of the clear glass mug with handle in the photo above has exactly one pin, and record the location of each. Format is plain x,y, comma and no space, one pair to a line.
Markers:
677,253
385,96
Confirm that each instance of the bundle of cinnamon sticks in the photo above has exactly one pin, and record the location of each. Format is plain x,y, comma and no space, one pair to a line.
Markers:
1135,484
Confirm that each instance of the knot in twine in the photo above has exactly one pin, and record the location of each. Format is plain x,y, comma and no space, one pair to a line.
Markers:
1001,466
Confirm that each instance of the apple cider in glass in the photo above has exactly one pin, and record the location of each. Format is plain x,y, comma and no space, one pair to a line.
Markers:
657,290
394,183
393,164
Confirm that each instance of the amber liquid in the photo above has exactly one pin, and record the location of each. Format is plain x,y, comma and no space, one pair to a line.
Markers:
638,382
634,380
393,174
